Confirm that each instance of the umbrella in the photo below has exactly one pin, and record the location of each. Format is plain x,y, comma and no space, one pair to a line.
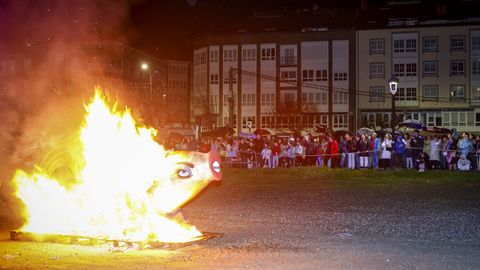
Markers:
412,123
262,132
365,131
438,130
247,135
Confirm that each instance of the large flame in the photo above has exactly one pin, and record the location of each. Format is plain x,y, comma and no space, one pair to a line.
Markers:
127,187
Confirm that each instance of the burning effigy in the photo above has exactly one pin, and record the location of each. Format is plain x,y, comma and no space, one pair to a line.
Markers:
124,185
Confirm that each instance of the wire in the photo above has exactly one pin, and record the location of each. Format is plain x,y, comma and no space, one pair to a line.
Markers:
355,92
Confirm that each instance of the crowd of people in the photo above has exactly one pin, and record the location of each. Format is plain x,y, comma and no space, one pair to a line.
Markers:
351,151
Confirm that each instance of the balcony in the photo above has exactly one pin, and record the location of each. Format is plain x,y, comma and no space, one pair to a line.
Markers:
288,60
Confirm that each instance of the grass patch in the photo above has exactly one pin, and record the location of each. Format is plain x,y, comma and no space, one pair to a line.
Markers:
352,178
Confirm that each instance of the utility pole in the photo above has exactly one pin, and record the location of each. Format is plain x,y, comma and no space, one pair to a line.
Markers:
231,105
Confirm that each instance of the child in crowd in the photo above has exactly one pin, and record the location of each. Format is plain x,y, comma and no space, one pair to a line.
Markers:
421,162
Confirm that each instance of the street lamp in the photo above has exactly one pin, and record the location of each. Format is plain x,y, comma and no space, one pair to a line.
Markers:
393,84
145,67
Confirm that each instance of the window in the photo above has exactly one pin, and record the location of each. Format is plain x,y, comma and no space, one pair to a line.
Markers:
457,43
248,99
377,46
377,70
430,69
430,92
340,76
411,70
340,121
477,119
457,68
200,58
324,119
268,54
288,76
307,75
308,98
249,54
230,55
406,94
475,42
248,120
268,99
340,97
399,46
214,56
377,94
213,78
476,66
321,75
399,70
430,44
475,93
411,45
289,57
457,92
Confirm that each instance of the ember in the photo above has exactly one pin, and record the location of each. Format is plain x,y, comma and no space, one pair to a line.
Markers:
127,187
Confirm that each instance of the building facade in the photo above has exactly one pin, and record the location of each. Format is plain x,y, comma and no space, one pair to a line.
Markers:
279,80
438,67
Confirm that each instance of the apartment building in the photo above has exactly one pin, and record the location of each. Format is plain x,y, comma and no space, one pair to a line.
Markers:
281,79
438,67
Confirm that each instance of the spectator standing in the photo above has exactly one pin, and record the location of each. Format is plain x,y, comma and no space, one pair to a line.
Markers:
420,161
332,152
386,154
376,150
408,152
416,145
400,146
266,156
465,146
343,150
363,151
477,151
351,150
275,154
435,153
450,149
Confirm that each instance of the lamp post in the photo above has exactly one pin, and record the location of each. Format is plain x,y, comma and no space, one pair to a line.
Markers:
392,84
145,67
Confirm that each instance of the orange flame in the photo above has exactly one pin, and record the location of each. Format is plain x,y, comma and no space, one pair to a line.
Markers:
127,188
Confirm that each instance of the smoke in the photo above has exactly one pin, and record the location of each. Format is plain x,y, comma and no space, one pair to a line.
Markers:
41,105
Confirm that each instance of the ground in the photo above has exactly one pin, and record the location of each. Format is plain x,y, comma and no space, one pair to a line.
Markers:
304,218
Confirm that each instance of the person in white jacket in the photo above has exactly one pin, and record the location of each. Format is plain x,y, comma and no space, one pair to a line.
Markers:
267,156
386,155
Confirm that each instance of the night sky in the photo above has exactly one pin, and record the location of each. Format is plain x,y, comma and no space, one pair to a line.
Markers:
164,28
167,28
